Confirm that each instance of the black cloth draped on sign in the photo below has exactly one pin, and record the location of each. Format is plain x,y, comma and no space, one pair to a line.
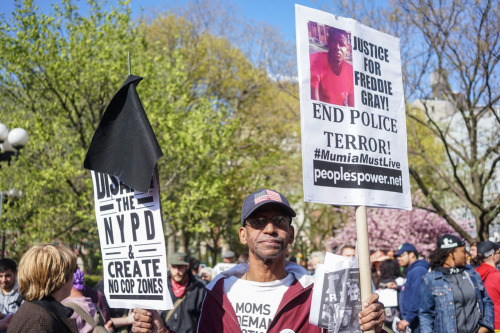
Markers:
124,144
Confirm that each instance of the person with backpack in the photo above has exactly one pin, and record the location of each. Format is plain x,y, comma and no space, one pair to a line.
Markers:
187,293
88,317
45,277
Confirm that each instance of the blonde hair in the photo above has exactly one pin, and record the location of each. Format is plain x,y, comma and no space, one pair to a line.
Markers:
44,269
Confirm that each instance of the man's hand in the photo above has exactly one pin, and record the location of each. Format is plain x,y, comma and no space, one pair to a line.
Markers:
483,329
372,316
401,326
147,321
109,326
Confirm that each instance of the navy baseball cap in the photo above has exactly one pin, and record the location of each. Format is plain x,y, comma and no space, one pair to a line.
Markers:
487,248
405,247
449,242
263,197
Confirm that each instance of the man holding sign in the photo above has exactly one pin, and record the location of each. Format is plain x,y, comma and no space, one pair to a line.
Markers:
268,294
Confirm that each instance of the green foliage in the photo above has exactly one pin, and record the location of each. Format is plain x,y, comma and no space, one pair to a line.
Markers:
224,126
92,280
227,130
58,73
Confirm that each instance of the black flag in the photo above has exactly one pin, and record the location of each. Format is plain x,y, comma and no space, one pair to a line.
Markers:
124,144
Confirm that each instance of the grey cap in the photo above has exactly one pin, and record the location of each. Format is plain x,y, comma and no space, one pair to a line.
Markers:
228,254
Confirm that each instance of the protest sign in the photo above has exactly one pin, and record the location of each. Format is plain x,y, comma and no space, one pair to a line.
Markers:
388,297
132,244
352,113
336,295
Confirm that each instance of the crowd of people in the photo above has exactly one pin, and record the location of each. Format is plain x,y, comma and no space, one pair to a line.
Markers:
450,291
261,291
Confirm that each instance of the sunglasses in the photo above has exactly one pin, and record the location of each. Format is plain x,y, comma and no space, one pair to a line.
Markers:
281,222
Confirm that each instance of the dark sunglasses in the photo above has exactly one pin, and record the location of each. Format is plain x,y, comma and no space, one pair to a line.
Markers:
281,222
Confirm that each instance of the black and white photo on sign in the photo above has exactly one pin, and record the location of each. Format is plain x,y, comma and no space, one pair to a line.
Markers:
336,295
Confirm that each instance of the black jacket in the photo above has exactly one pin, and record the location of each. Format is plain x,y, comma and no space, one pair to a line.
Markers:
185,317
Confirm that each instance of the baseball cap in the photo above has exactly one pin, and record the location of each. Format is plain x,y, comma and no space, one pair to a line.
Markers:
487,248
449,242
178,258
228,254
405,247
263,197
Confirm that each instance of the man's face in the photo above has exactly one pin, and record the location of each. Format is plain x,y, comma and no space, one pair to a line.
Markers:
348,252
496,256
473,251
338,47
178,272
404,259
269,241
7,280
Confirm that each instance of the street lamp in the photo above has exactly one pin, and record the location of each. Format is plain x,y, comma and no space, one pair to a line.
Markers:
11,143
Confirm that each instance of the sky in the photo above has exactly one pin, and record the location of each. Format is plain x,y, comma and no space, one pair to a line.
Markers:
278,13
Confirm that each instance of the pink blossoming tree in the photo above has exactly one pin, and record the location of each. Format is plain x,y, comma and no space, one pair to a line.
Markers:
388,228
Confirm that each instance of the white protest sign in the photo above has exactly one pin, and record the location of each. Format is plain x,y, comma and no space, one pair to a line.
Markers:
132,244
336,299
352,113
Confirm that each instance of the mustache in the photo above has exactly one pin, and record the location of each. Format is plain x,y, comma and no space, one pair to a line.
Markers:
280,240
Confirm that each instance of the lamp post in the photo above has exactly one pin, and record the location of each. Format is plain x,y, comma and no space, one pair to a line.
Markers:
11,143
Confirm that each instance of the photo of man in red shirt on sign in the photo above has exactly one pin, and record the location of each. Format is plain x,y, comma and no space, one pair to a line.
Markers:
331,73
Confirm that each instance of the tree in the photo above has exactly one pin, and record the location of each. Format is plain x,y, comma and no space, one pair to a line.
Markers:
389,228
462,40
209,105
58,73
316,227
263,149
456,44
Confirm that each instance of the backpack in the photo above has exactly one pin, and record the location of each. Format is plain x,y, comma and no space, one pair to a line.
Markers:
97,322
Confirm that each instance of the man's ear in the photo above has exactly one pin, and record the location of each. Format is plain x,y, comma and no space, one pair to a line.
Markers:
243,235
291,234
